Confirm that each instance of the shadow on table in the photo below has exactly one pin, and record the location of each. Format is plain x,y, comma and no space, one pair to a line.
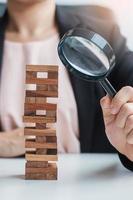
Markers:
108,172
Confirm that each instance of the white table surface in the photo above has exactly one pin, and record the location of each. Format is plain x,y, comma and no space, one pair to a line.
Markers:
88,176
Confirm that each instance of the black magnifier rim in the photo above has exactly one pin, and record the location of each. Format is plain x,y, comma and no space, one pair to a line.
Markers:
97,40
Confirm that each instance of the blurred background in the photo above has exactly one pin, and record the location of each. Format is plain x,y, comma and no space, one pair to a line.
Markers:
121,8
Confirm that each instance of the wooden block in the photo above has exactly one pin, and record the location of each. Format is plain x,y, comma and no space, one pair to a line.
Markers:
50,176
42,87
51,151
30,100
53,75
41,81
41,151
47,173
41,93
40,106
41,125
43,170
42,68
38,119
31,157
50,113
40,100
36,164
38,145
30,75
51,139
41,139
30,112
39,132
52,88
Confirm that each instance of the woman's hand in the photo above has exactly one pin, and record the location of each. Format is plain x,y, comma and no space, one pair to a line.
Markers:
118,119
12,143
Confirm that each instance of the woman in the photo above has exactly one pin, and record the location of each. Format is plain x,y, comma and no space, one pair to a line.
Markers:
30,32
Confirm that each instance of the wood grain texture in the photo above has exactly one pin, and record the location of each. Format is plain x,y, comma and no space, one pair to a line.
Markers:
38,119
43,170
50,113
42,68
41,125
42,87
38,145
46,173
40,106
47,176
53,75
35,164
31,74
40,132
41,139
41,93
41,81
34,157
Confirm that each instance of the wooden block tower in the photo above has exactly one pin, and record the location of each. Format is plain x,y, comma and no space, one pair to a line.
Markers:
39,116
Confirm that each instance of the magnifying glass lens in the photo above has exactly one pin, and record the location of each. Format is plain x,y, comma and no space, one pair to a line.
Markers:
85,57
88,55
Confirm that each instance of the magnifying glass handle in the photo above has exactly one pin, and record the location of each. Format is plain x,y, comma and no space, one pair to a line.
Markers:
108,87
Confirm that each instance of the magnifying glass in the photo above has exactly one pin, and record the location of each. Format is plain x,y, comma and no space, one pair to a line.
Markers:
88,55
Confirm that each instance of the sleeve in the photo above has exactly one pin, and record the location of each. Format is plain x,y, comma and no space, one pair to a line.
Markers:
126,162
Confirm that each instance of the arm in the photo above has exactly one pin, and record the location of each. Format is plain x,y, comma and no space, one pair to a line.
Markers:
12,143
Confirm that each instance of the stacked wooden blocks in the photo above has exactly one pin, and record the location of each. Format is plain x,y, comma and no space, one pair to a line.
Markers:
39,116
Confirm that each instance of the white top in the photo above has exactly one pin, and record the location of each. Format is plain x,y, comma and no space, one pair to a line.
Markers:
16,56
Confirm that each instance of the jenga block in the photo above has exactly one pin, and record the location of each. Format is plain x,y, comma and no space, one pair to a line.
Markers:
41,151
30,75
41,81
39,119
41,139
30,100
52,88
51,139
35,176
40,106
38,145
36,164
50,113
51,151
47,176
40,132
34,157
41,93
33,170
42,68
41,125
42,87
30,112
53,75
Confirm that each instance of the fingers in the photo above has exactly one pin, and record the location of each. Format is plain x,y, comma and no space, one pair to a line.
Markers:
105,104
123,96
130,137
125,111
129,124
